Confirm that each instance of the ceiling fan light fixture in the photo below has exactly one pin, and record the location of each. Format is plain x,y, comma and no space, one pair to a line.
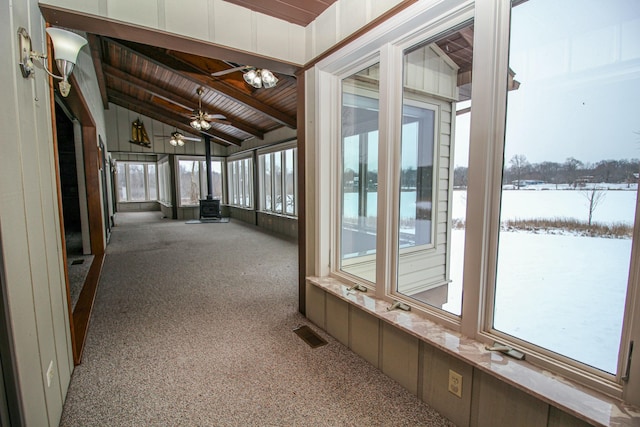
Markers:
268,79
200,121
253,78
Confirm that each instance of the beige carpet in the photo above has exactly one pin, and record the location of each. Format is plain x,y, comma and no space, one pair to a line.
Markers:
193,326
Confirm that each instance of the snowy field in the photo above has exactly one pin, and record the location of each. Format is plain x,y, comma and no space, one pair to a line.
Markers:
565,293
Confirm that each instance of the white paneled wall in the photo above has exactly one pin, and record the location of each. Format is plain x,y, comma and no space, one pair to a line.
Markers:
232,26
30,234
118,122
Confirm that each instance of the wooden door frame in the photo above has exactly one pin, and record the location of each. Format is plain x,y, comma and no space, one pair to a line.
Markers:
80,316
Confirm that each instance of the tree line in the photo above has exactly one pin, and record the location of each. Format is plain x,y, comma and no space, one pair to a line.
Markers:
572,171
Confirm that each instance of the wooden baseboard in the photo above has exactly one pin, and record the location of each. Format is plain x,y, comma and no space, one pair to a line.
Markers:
82,311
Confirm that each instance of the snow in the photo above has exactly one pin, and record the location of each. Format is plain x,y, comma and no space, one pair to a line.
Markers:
562,292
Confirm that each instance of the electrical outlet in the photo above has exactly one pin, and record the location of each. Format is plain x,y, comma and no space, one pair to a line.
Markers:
455,383
50,374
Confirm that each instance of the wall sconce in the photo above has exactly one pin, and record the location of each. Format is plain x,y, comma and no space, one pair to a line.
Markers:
66,46
260,78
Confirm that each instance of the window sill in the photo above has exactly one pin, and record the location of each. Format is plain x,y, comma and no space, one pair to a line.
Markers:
564,394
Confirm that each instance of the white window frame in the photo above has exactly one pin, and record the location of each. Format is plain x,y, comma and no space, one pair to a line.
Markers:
127,181
164,182
202,177
236,165
491,41
277,150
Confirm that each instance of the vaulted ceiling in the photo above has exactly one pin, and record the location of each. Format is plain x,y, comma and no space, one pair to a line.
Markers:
163,82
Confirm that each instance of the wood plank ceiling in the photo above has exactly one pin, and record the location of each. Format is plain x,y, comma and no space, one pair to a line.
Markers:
163,84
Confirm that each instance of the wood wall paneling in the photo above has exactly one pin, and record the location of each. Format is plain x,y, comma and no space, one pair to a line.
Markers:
497,404
315,304
435,381
399,357
337,318
364,336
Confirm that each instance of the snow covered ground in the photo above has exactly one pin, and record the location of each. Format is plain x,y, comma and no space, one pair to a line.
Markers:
565,293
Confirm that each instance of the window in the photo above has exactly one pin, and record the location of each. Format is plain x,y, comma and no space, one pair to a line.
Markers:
569,186
359,184
164,182
136,182
278,189
528,210
192,180
240,178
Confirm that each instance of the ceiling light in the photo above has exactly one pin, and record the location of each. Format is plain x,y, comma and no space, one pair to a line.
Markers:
66,46
200,121
260,78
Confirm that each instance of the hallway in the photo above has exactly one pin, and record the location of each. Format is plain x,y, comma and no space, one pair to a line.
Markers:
192,326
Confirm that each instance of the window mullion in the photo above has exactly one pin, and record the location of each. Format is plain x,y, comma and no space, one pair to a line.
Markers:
490,64
389,131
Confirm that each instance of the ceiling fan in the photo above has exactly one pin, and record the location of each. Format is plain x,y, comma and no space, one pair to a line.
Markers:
201,120
178,139
253,76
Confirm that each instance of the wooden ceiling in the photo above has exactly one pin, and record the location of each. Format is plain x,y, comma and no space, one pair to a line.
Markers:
300,12
163,84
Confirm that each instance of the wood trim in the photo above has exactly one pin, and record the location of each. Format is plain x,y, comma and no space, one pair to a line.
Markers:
84,306
96,55
82,312
302,229
56,161
371,25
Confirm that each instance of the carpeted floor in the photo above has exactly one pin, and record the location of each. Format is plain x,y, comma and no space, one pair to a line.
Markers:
193,326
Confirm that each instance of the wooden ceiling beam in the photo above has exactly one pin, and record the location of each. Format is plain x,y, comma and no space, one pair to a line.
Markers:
95,46
200,78
174,98
165,116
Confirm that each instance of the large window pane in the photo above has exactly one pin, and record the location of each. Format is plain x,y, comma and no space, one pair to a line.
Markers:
360,96
123,194
436,77
241,183
570,178
277,182
216,179
267,182
189,182
136,182
289,182
152,181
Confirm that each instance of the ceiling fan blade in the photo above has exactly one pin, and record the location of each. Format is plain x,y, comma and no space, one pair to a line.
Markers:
190,138
221,121
231,70
214,116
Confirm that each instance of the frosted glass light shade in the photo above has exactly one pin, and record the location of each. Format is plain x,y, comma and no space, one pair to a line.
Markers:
66,45
268,79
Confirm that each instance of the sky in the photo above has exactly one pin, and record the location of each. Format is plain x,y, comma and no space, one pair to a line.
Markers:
578,62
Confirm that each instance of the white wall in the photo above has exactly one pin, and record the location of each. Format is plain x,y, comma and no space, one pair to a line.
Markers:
119,121
236,27
30,227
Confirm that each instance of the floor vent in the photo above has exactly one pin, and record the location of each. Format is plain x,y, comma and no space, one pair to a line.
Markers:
309,336
77,261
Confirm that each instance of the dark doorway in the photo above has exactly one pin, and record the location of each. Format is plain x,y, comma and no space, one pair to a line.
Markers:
69,182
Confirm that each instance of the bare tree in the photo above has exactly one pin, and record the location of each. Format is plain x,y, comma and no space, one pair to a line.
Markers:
518,165
594,197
